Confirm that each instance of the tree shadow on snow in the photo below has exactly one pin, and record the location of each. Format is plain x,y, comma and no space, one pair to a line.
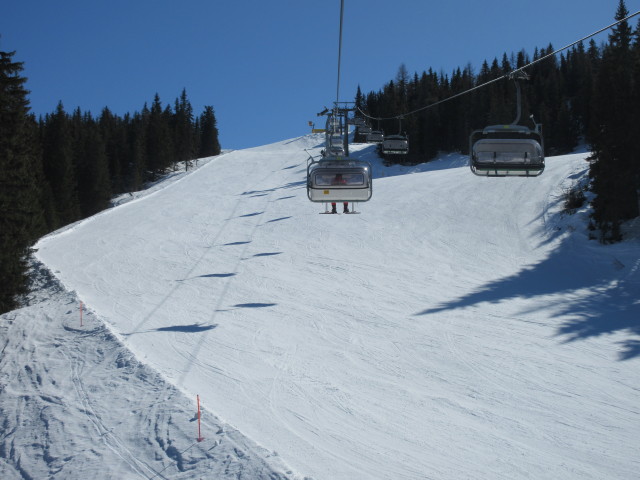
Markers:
599,296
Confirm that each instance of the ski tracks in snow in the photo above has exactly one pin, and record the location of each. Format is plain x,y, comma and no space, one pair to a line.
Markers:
145,425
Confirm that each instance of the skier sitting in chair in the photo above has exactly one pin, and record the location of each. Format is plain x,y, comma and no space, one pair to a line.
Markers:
338,180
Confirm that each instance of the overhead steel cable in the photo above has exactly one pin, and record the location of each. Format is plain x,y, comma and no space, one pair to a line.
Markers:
508,75
339,52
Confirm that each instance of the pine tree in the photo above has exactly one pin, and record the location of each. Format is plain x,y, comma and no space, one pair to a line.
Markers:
359,102
137,166
58,166
114,135
158,141
20,210
94,190
184,133
209,144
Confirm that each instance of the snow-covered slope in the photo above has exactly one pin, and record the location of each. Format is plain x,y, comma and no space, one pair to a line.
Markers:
459,327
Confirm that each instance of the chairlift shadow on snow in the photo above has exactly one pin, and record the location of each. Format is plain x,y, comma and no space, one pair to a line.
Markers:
258,193
193,328
254,305
279,219
264,193
250,214
217,275
610,304
300,183
247,305
209,275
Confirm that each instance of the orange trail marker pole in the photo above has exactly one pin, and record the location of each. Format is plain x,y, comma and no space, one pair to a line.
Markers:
199,434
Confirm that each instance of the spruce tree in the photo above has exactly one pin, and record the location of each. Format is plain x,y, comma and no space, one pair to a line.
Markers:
137,166
58,165
158,141
94,189
359,102
20,209
183,127
209,144
113,133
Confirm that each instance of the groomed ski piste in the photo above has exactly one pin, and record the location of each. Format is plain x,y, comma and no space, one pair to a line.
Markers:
458,328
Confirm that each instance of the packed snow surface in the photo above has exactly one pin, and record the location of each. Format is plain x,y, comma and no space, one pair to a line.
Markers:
458,327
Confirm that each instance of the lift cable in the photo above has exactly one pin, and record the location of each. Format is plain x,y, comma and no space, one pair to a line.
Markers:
339,52
508,75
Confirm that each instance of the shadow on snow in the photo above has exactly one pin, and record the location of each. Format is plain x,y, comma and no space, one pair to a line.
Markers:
193,328
599,295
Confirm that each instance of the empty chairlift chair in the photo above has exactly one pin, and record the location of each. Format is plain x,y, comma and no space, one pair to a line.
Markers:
334,146
508,150
376,136
395,145
335,139
362,131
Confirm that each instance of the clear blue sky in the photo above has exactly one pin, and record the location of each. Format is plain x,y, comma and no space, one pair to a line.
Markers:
267,67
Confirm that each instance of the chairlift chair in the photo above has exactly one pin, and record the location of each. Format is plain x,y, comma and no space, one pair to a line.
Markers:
395,145
376,136
334,179
508,150
334,145
364,129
